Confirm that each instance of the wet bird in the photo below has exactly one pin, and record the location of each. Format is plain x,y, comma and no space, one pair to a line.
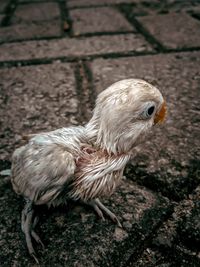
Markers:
85,163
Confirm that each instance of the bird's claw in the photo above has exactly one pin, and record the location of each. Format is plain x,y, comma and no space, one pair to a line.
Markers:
42,245
116,220
101,209
37,239
35,258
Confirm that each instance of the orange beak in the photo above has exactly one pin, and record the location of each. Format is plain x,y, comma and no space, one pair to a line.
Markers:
161,114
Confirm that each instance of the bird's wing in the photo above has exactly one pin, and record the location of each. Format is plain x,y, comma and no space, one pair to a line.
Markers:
41,172
27,137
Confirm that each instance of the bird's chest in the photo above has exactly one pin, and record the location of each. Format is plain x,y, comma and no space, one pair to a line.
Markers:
95,176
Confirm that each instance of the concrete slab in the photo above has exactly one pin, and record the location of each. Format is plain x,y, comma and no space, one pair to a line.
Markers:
95,20
178,236
71,47
35,99
35,12
20,32
73,236
173,30
33,21
143,8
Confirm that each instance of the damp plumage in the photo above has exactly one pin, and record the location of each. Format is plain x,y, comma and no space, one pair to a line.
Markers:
85,163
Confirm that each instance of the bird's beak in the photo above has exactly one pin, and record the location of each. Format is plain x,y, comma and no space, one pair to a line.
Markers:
160,115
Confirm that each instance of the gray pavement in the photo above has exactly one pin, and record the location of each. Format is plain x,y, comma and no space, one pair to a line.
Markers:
55,57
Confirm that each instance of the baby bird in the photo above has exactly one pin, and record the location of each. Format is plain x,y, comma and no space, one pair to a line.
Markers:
85,163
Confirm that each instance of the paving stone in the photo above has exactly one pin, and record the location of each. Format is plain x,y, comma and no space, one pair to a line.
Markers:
155,257
36,12
162,7
173,30
73,47
82,239
33,21
169,160
152,257
87,3
3,5
34,30
154,8
189,229
147,8
179,235
185,5
185,2
34,99
95,20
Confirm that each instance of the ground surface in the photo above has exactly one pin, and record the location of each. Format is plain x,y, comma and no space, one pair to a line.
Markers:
55,57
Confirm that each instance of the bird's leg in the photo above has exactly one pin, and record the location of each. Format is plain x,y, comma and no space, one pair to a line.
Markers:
34,234
26,225
101,209
94,206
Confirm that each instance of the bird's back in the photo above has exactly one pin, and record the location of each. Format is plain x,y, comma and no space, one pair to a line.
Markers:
44,166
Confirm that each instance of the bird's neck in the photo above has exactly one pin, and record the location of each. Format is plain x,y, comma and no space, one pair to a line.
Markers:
105,139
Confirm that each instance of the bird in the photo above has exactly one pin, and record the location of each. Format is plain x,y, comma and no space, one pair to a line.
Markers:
85,163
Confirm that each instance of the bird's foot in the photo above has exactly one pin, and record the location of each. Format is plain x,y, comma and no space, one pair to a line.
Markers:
34,234
101,210
34,256
37,239
28,224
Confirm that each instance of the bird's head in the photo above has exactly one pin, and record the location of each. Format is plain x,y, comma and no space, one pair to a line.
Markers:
124,114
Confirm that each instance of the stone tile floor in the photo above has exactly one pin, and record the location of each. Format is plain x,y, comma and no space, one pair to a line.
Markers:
55,57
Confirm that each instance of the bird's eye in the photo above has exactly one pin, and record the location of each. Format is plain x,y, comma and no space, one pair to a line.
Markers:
150,110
